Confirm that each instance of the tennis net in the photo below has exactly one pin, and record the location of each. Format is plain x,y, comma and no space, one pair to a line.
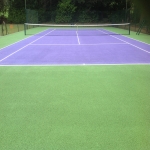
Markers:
73,29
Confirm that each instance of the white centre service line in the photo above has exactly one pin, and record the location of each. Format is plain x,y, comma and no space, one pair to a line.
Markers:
25,46
78,37
126,42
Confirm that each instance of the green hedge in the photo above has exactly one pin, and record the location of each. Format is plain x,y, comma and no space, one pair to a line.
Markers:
16,15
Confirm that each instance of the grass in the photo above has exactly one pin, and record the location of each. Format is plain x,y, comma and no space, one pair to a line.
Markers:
89,107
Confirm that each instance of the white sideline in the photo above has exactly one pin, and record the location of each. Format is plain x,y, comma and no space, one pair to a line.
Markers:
24,46
21,40
126,42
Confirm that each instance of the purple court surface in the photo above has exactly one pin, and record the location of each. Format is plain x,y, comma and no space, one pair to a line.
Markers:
76,48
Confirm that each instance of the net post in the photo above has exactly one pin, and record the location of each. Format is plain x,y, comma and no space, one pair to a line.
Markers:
1,30
25,29
4,28
129,28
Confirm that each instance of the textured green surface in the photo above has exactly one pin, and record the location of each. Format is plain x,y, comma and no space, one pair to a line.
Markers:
75,108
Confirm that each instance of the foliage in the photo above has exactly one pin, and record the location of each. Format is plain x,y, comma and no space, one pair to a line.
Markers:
3,10
65,11
16,15
3,6
118,16
31,16
88,16
143,7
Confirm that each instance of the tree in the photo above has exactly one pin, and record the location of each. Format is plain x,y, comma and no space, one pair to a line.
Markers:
16,12
3,6
65,11
144,8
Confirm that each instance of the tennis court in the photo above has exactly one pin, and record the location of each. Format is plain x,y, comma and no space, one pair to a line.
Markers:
57,46
74,89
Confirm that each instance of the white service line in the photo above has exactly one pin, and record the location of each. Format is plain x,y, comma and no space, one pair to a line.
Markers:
126,42
78,44
25,46
78,37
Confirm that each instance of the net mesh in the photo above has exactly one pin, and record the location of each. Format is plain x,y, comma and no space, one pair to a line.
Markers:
82,29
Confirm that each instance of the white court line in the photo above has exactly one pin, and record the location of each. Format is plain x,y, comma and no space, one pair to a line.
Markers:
126,42
136,40
25,46
132,38
21,40
77,44
76,65
78,37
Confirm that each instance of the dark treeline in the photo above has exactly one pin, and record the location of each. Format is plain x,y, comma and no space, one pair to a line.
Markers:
67,11
81,5
64,11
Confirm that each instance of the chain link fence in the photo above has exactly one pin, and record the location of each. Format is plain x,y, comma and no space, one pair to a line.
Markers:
15,24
